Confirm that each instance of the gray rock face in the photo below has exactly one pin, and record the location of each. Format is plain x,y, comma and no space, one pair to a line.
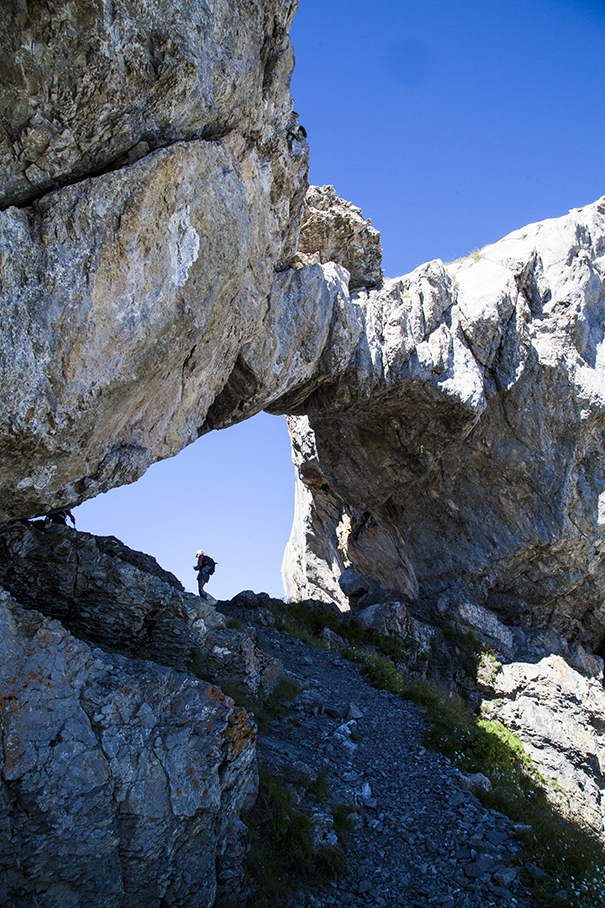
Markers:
92,86
130,293
122,780
460,455
122,600
90,584
335,231
560,718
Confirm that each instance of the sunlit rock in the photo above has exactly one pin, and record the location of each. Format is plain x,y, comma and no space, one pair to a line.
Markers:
463,445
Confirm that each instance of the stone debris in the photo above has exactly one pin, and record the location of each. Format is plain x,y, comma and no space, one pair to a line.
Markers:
421,837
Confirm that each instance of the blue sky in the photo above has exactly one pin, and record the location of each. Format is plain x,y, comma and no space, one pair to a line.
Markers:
450,124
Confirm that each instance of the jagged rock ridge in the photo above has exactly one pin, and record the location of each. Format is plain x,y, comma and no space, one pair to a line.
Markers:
460,454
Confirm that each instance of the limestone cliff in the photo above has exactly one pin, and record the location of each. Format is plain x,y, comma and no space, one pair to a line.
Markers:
153,176
461,453
448,425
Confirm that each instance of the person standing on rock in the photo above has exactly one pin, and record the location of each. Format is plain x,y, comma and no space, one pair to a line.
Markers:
205,567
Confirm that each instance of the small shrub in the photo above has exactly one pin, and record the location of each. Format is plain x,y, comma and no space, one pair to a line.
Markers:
239,695
344,820
284,691
321,788
281,852
379,671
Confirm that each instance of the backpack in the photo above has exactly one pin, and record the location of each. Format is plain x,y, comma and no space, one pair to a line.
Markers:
208,565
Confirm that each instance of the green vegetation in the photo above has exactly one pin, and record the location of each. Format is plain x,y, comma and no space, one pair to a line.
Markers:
235,624
282,853
284,691
306,624
569,859
475,255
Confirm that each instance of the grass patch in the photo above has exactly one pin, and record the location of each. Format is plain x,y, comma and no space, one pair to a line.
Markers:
572,857
235,624
344,820
306,624
474,256
378,670
320,788
284,691
282,855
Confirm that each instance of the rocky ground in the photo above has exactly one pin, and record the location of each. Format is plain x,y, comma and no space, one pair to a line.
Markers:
107,679
421,837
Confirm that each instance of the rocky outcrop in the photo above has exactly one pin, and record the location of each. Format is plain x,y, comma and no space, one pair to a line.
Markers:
90,584
123,745
122,780
160,174
559,715
459,457
335,231
122,600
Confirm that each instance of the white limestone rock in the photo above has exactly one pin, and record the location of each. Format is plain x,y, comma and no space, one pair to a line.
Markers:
464,439
144,256
559,715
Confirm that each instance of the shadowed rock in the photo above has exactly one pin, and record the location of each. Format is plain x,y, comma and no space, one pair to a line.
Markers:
463,444
139,771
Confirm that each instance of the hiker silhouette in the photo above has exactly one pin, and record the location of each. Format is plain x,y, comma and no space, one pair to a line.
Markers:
205,567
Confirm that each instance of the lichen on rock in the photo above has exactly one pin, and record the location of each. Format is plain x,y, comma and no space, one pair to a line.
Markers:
135,768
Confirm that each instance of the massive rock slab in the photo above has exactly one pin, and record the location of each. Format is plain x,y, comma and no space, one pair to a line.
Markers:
159,173
121,780
91,86
461,453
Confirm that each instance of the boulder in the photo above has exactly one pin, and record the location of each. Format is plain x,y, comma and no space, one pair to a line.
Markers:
121,780
354,585
231,659
389,618
475,618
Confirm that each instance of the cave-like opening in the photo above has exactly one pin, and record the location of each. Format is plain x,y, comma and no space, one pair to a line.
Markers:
231,493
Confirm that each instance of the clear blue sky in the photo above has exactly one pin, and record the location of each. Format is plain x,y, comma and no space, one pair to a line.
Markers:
450,123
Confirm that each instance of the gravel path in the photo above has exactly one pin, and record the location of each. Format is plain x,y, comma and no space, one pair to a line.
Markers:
422,840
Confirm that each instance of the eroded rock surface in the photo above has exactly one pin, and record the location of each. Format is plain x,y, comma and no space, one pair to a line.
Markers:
89,585
139,771
334,230
161,174
92,86
559,715
460,455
